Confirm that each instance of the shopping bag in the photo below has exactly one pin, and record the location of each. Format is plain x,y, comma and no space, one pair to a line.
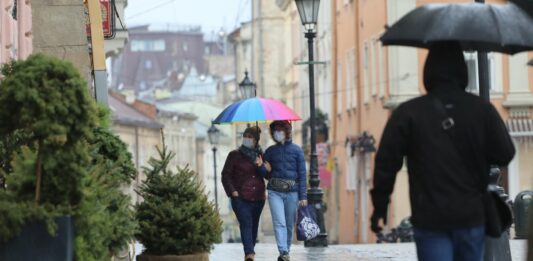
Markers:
307,228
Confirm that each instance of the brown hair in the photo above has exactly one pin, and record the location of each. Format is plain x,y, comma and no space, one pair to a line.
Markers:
254,131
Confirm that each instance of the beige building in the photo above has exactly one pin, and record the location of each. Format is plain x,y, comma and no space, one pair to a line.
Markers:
59,29
140,132
372,80
180,136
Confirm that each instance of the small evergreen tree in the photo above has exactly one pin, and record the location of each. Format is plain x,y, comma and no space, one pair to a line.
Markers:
175,217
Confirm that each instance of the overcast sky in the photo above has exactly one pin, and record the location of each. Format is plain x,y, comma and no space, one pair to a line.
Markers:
210,14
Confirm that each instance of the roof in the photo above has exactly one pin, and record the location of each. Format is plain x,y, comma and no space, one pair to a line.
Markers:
125,114
205,113
198,85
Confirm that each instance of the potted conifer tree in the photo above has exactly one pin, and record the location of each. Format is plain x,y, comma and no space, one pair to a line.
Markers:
61,173
176,221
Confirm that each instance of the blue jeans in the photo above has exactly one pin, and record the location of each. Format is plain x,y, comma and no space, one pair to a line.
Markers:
283,206
248,213
450,245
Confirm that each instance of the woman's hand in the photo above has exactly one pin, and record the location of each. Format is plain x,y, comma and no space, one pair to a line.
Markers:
268,167
302,203
235,194
259,161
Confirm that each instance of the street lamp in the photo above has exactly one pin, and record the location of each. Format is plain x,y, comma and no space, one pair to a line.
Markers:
308,10
247,87
214,134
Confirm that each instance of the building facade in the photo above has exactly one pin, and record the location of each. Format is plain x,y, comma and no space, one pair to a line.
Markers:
372,80
153,59
140,132
15,30
358,84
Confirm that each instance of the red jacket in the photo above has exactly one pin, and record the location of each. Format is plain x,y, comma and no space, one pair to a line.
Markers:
241,175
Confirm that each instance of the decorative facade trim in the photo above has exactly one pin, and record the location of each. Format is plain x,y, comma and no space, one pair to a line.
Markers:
283,4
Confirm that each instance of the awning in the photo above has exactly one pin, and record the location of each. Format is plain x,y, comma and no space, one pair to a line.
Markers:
521,129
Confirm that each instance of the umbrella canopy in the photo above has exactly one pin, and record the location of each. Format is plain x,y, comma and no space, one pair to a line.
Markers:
256,109
481,27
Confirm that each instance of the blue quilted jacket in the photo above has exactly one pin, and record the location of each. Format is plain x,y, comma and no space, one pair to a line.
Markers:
287,161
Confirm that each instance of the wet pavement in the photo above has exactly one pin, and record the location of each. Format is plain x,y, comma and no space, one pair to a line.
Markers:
369,252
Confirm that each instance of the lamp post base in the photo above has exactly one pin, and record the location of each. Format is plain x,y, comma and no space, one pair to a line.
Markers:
314,196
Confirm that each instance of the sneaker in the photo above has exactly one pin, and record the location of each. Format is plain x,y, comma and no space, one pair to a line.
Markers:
284,257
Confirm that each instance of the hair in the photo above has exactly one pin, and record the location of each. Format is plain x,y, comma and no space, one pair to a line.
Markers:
286,125
255,131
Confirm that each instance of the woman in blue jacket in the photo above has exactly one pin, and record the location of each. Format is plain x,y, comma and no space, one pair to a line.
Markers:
287,186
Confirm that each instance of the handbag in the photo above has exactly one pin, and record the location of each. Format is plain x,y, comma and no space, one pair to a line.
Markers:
281,185
498,214
307,228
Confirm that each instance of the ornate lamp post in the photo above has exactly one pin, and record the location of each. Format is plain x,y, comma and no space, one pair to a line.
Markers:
247,87
308,10
214,134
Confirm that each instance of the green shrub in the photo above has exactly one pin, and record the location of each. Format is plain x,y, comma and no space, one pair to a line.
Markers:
107,211
50,128
175,217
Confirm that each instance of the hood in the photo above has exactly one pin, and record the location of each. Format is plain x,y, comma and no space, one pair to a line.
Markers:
445,67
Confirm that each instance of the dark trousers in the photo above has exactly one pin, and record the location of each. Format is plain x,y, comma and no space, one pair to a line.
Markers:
450,245
248,213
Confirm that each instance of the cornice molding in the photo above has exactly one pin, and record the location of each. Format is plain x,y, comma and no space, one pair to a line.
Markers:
283,4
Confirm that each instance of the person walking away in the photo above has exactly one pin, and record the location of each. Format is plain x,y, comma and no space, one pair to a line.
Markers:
244,184
287,186
449,149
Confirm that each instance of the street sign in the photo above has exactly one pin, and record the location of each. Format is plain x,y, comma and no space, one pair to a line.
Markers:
108,22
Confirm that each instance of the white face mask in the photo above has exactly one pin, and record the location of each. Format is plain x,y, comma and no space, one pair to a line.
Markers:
279,136
248,142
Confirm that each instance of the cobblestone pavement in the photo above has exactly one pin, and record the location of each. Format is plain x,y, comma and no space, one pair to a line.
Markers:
370,252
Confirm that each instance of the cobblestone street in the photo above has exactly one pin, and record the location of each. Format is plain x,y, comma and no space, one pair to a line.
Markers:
370,252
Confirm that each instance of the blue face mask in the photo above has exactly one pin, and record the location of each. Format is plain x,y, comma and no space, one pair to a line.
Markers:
248,142
279,136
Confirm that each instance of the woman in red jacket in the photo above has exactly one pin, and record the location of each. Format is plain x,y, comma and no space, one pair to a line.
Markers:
242,177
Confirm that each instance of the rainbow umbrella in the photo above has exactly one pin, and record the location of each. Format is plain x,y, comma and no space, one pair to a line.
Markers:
256,109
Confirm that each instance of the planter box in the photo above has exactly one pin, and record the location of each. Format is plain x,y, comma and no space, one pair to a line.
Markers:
35,243
195,257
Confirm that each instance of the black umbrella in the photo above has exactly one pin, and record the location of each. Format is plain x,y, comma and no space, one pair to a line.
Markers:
479,27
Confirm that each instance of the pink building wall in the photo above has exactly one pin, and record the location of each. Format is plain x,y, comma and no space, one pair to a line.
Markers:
15,34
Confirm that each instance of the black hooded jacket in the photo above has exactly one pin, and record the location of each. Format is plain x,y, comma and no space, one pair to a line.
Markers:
448,172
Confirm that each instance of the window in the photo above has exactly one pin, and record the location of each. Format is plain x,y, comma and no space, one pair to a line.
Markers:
351,168
374,65
495,72
340,92
366,74
148,64
471,63
381,61
353,80
14,10
147,45
348,83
